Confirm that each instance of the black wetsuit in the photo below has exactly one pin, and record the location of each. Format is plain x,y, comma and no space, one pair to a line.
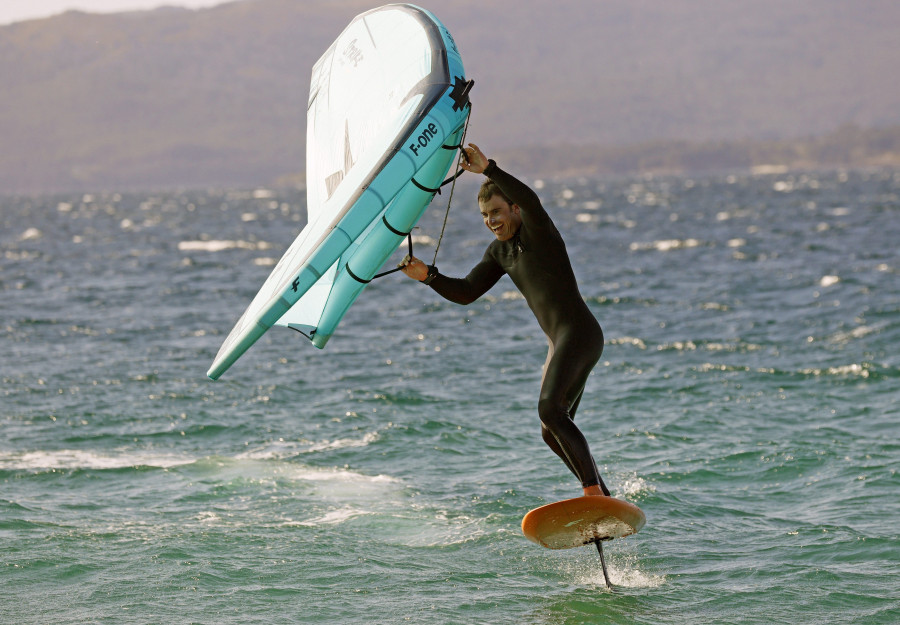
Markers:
537,261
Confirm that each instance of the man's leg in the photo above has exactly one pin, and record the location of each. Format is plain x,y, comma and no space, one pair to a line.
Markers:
568,366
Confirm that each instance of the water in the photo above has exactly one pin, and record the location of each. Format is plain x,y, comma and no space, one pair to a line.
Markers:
746,400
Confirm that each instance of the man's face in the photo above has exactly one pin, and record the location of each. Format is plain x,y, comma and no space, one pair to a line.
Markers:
501,218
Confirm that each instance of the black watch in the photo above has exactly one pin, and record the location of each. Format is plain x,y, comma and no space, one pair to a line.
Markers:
432,274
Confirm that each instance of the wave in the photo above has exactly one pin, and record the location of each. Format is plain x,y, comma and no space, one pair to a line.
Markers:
343,443
221,245
214,468
665,245
332,517
864,370
285,449
860,332
737,346
31,234
851,370
73,459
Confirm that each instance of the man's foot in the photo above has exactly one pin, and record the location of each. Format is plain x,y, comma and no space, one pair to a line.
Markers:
593,491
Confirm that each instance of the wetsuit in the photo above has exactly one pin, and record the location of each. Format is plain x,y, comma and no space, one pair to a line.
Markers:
536,260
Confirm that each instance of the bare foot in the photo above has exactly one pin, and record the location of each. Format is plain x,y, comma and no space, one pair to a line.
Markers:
593,491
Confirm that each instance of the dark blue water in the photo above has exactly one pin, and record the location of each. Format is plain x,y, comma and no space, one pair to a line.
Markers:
747,400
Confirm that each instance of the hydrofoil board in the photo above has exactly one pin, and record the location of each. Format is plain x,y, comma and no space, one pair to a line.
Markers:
582,521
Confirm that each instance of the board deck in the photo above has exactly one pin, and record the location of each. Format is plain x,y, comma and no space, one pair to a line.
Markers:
582,521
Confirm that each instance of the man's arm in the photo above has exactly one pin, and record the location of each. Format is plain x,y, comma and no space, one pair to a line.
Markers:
458,290
532,211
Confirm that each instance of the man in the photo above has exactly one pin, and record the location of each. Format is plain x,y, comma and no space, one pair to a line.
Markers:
531,251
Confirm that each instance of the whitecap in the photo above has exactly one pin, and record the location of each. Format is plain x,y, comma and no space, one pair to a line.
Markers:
31,234
344,443
332,517
421,239
842,370
440,530
325,484
665,245
783,186
278,450
629,340
220,245
72,459
856,333
679,346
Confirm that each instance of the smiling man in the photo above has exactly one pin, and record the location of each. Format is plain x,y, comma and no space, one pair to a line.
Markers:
529,249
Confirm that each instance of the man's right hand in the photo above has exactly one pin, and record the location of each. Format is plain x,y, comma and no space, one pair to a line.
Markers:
414,268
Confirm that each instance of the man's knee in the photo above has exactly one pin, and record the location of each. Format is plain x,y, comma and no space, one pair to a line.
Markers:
552,412
548,437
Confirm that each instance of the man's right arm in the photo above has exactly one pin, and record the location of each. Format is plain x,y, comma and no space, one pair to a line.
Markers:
458,290
466,290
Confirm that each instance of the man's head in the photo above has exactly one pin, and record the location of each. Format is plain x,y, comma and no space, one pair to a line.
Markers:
500,215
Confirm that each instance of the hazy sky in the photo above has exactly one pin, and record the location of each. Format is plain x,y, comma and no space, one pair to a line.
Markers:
18,10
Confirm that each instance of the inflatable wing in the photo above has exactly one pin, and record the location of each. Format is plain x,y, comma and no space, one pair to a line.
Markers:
388,104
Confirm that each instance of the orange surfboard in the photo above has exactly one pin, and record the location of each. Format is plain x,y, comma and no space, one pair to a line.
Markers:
581,521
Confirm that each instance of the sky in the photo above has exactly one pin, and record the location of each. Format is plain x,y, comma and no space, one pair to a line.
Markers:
19,10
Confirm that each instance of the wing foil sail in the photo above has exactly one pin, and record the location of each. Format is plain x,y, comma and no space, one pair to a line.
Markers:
384,101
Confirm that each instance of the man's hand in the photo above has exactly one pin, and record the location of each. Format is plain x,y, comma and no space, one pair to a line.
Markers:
475,161
414,268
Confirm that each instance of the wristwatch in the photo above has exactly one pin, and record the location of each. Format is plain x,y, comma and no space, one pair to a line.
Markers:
432,274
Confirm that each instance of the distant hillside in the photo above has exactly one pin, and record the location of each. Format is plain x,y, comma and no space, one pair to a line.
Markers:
217,97
847,147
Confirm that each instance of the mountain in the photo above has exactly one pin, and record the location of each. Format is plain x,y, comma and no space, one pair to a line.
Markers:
175,97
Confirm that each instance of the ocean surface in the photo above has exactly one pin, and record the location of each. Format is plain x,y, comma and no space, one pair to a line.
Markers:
748,400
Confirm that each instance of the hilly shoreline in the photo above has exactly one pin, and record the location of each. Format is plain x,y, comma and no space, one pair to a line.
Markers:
175,98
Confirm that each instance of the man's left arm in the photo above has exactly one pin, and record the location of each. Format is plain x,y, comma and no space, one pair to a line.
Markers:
533,213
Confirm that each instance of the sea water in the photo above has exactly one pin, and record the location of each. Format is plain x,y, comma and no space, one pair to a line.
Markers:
746,400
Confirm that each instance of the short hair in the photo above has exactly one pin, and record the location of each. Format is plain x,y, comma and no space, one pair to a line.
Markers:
488,190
